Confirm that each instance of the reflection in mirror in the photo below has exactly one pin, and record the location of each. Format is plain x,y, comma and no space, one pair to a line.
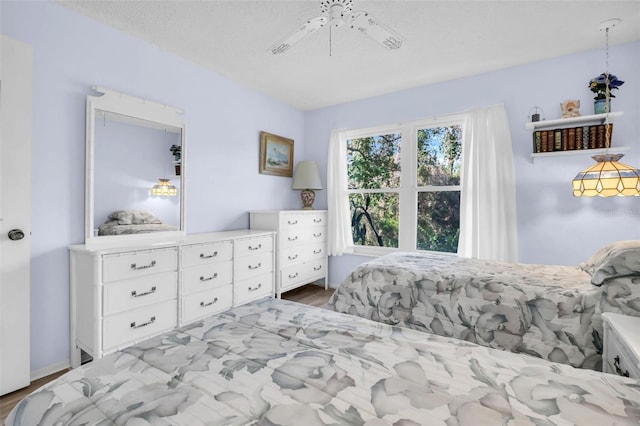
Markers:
129,160
132,144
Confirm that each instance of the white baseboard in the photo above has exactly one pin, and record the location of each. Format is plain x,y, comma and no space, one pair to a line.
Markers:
49,369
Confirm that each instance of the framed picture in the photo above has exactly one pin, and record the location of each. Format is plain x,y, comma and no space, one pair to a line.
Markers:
276,155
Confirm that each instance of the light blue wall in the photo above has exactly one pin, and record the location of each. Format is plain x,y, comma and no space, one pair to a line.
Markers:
72,53
129,160
224,119
553,226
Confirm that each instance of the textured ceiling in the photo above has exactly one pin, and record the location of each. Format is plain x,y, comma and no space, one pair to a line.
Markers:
444,40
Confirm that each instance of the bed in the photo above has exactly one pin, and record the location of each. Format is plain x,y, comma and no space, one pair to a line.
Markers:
551,312
124,222
274,362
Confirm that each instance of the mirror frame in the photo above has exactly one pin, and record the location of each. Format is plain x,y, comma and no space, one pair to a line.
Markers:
157,115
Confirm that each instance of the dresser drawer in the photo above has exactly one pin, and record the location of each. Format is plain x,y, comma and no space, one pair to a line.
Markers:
253,246
198,305
253,288
131,294
251,266
135,264
299,254
207,276
299,236
307,271
131,326
291,221
198,254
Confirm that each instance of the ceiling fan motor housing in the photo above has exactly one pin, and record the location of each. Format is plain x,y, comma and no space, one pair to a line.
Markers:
336,10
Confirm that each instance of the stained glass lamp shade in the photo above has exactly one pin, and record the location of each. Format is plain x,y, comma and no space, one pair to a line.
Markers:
164,187
607,178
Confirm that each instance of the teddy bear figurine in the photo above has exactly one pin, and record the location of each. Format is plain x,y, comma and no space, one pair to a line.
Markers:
570,108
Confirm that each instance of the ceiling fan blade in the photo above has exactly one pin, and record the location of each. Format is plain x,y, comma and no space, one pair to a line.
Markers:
368,26
303,31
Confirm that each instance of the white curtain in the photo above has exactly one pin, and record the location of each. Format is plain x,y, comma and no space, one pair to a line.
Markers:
340,239
488,228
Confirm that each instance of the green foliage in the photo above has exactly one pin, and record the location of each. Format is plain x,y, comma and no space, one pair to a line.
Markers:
374,163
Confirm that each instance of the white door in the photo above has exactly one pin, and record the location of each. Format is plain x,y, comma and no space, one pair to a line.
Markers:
16,75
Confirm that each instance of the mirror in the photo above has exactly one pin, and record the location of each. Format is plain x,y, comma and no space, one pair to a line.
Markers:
132,145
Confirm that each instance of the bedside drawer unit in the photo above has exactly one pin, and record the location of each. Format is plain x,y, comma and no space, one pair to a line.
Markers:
198,254
129,327
253,288
124,295
302,236
621,353
204,303
206,277
139,263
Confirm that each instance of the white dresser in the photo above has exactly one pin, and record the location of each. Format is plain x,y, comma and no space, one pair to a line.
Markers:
121,295
621,353
301,249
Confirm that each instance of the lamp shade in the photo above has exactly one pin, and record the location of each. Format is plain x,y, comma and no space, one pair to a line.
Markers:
607,178
163,188
307,176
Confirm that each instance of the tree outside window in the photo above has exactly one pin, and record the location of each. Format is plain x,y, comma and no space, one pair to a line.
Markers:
416,194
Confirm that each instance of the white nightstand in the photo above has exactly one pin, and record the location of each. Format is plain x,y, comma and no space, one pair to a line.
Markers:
621,345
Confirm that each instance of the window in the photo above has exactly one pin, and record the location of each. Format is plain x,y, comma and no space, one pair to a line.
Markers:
404,186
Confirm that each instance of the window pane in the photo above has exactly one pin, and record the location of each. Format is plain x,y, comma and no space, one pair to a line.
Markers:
438,221
374,162
439,152
374,219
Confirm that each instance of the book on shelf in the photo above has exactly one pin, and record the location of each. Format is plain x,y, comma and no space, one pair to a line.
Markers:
572,138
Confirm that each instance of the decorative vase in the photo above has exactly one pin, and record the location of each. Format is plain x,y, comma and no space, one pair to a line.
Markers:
601,106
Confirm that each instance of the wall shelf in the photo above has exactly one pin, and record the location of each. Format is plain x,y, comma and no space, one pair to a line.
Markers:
567,122
613,149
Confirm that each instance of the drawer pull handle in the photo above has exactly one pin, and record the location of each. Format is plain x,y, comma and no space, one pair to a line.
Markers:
204,256
317,251
214,276
134,293
204,305
620,371
317,268
136,268
318,235
255,267
255,288
293,257
293,276
292,222
144,324
317,220
292,238
258,247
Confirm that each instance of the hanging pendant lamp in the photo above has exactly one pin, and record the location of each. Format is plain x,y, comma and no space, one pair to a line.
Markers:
608,178
163,188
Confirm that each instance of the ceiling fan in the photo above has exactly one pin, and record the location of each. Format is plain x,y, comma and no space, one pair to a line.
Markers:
339,13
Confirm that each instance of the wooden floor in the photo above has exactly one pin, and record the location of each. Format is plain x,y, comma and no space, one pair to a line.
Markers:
309,294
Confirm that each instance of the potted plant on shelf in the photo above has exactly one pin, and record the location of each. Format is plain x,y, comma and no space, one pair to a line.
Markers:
176,151
598,85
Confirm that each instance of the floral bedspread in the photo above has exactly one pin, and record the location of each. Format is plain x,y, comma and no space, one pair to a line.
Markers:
551,312
274,362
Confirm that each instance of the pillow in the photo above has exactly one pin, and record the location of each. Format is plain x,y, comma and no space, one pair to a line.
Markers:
134,217
613,260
